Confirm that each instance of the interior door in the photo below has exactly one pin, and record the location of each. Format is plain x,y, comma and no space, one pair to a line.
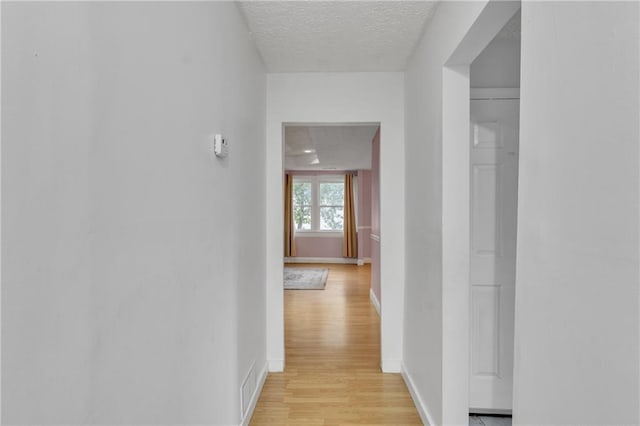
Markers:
494,190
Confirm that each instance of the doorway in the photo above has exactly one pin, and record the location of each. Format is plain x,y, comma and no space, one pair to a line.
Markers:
456,207
332,200
493,144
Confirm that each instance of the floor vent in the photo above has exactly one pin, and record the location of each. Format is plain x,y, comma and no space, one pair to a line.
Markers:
247,389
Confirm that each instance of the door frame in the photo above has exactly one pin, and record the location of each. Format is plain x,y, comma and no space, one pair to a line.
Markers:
337,98
456,104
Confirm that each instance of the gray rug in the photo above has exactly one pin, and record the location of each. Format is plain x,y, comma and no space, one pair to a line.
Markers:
305,278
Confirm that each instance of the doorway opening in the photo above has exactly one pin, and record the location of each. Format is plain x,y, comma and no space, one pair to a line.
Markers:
493,144
331,175
459,232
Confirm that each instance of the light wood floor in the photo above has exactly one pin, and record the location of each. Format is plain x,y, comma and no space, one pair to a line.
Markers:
332,374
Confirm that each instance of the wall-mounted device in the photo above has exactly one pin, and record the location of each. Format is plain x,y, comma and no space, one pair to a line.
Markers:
220,146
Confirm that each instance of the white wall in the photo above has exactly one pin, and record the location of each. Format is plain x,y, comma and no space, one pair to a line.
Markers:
339,98
498,65
133,266
576,359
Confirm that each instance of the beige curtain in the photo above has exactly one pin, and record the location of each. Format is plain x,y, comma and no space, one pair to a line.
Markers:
289,236
350,240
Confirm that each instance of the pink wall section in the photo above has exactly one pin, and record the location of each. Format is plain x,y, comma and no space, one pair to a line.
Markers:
364,214
375,184
375,269
375,215
319,246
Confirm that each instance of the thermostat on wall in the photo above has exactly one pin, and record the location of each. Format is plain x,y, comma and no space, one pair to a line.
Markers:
220,146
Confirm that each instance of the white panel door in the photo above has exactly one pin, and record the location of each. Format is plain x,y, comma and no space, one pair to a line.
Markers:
494,190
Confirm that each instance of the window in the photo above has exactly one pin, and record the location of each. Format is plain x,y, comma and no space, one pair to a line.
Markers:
318,203
302,204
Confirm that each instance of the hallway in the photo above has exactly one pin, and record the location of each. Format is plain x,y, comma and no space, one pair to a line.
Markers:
332,374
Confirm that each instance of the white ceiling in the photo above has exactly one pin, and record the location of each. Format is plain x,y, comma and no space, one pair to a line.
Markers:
341,147
326,36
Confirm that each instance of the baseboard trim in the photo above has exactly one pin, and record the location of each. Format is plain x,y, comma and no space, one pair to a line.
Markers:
490,412
423,411
391,366
364,260
255,396
346,260
374,301
275,365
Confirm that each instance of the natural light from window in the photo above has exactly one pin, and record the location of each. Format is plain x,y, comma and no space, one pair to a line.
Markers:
318,203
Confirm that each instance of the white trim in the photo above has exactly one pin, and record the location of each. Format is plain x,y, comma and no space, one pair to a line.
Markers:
391,365
345,260
364,227
375,237
374,300
1,281
254,398
495,93
330,123
455,244
423,410
364,260
320,234
490,411
275,365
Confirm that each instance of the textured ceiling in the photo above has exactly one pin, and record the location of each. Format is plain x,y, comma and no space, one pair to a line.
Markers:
325,36
346,147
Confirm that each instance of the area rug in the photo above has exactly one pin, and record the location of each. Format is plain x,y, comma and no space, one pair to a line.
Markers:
305,278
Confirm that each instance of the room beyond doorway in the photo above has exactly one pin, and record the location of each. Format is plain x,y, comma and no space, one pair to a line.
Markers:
332,196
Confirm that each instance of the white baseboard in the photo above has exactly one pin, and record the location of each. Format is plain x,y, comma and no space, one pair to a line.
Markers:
391,366
423,411
364,260
275,365
255,396
490,412
346,260
374,301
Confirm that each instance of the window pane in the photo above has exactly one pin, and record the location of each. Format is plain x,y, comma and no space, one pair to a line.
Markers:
302,218
332,194
331,218
302,193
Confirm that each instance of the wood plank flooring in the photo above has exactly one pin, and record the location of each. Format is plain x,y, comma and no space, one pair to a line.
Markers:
332,374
